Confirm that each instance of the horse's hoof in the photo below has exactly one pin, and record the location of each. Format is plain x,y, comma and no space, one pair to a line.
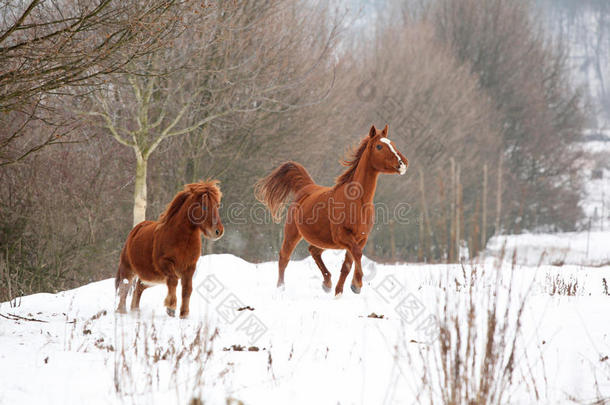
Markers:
281,286
171,312
338,295
120,311
326,288
184,316
355,289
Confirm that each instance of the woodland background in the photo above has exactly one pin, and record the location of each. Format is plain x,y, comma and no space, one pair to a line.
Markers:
109,105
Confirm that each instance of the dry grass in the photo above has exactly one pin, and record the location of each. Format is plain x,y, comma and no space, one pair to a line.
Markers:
479,355
559,285
148,360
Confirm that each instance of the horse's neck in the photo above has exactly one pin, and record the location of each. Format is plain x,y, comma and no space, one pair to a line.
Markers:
181,223
366,176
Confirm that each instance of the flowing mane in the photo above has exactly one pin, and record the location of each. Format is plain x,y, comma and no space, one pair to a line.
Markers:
352,162
209,187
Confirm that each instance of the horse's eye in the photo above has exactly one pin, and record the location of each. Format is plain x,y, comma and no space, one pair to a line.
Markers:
379,147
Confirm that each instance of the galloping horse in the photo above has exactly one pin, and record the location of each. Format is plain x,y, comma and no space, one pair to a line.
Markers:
166,250
338,217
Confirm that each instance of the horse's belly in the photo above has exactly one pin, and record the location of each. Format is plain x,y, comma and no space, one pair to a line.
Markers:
318,235
152,281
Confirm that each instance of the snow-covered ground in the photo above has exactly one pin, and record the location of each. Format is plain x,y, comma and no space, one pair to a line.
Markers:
312,348
247,342
576,248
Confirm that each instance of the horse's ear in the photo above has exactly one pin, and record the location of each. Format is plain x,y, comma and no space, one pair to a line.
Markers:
373,131
384,133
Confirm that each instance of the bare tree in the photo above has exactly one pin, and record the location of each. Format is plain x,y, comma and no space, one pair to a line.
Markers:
50,48
526,77
234,60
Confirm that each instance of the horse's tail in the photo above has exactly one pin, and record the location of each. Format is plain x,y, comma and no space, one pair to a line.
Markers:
124,271
285,180
120,273
117,278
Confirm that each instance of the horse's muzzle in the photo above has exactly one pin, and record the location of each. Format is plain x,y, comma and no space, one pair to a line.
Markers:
402,168
218,233
214,233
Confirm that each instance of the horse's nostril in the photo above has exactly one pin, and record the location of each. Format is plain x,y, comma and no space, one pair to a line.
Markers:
217,232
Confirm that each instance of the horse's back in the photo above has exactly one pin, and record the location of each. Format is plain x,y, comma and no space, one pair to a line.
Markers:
309,193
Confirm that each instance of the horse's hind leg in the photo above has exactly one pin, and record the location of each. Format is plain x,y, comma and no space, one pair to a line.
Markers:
135,301
292,236
316,253
123,283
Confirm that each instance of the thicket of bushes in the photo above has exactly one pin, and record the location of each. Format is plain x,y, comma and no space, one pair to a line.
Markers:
475,95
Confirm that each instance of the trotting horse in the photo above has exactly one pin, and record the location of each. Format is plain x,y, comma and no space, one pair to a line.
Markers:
163,251
338,217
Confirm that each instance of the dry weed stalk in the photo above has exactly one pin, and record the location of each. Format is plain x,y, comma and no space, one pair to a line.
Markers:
479,356
147,360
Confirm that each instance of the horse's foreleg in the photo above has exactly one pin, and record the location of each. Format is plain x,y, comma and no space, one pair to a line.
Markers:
345,269
167,267
171,300
187,287
316,253
356,252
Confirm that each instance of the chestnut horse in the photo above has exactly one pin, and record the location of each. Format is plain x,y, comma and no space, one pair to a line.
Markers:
163,251
338,217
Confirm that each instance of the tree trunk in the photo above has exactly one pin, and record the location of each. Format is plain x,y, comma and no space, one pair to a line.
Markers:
484,209
499,197
139,197
475,232
428,237
420,248
451,256
392,242
458,212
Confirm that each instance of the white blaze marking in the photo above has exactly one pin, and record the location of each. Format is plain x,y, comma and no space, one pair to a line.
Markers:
402,168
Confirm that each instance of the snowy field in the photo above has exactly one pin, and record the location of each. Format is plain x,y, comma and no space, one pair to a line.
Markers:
574,248
548,340
301,345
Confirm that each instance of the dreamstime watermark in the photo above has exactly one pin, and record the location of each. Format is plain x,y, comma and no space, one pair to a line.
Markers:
336,212
406,123
231,309
409,308
346,209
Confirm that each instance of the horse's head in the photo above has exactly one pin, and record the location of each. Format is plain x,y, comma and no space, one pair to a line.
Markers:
385,157
203,208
